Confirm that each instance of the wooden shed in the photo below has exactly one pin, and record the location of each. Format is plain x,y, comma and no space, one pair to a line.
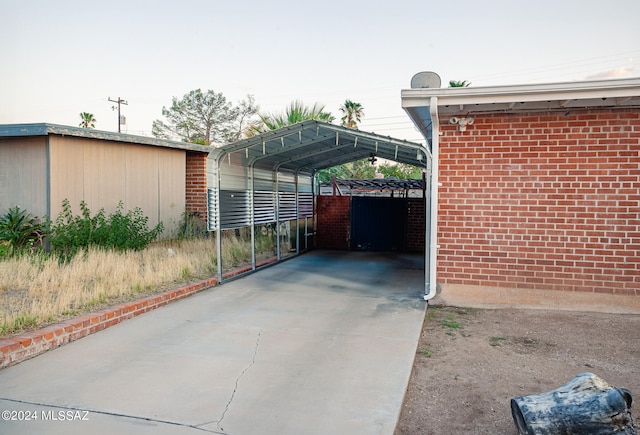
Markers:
43,164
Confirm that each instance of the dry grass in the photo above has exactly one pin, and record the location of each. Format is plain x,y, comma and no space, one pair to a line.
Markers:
37,290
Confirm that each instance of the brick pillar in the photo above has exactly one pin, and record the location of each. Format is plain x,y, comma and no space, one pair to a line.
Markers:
334,222
196,184
416,225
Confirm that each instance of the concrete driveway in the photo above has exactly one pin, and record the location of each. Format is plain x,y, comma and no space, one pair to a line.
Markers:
323,343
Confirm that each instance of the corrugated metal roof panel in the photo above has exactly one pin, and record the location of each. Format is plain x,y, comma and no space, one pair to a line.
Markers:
312,145
44,129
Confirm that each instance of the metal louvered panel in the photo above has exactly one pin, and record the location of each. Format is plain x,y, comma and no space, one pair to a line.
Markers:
286,206
305,204
263,180
264,207
212,203
235,209
233,175
286,182
305,184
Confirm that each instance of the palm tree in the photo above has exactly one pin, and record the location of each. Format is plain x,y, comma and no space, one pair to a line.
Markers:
294,113
353,113
87,120
458,83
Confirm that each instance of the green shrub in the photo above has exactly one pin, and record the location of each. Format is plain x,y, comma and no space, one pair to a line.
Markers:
20,231
4,249
119,231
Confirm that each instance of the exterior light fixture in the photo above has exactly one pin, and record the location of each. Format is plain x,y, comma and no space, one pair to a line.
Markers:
462,122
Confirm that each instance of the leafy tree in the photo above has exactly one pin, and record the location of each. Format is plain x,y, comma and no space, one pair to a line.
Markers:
294,113
353,113
360,169
325,175
400,171
458,83
87,120
245,117
205,118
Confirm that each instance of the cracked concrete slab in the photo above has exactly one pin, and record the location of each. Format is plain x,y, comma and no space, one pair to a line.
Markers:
323,343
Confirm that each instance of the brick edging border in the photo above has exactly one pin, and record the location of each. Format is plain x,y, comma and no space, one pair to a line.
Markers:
30,344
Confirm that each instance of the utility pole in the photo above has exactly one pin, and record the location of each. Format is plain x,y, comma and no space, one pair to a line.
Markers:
119,101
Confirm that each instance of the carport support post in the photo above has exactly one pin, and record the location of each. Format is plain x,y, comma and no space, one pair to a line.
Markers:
252,213
277,213
297,213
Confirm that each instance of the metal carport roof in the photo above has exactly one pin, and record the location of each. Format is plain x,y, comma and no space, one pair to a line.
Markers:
270,177
313,145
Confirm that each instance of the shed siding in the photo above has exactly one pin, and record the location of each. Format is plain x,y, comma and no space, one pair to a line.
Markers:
547,201
104,182
23,174
66,179
103,173
171,188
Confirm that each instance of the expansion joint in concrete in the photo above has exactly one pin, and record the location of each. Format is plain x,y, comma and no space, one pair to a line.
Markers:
90,411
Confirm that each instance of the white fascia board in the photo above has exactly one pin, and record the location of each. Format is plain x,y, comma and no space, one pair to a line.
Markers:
602,89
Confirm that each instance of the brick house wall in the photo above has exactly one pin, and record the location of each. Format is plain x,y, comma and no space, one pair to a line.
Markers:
547,201
196,184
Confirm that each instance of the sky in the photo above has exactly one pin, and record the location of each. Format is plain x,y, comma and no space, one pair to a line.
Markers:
61,58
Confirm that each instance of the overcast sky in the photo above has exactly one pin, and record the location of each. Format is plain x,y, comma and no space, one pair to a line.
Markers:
60,58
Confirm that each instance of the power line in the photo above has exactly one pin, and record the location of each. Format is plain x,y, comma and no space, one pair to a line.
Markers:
564,67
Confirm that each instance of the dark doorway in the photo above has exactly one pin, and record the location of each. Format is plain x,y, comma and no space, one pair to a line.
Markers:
378,224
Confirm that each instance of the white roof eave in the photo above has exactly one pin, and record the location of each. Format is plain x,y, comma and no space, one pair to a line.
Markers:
536,97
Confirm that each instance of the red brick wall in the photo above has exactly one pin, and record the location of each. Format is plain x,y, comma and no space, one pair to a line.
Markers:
542,201
416,225
196,184
334,222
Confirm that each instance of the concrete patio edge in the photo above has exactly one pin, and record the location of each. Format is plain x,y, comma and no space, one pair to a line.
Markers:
18,348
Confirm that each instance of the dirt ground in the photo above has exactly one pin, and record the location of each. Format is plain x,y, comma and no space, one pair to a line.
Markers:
471,362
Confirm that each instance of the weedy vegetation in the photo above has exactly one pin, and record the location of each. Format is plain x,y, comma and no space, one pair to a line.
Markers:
93,261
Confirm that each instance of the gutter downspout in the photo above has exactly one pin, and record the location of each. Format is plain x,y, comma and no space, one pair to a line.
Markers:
431,285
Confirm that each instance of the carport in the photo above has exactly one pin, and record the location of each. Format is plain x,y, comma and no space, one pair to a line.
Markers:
270,179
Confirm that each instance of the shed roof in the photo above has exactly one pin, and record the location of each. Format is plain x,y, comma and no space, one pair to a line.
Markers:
45,129
312,145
